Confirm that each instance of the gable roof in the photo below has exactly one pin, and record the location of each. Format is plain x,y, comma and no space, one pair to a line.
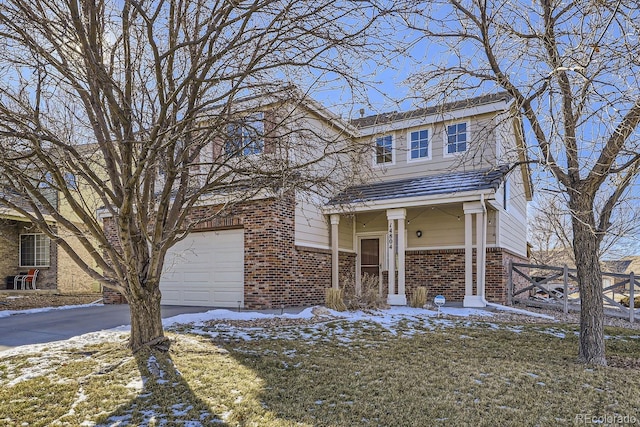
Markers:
431,185
421,112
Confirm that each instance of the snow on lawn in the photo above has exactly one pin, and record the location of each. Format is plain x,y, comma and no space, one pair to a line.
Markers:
388,316
7,313
317,324
329,324
405,320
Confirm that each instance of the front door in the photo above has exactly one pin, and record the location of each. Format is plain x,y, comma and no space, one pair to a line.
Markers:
370,257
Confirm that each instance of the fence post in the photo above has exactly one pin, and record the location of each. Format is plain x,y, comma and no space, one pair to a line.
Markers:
632,299
565,280
510,283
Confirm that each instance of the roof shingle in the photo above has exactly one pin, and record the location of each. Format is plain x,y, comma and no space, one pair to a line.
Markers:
421,112
447,183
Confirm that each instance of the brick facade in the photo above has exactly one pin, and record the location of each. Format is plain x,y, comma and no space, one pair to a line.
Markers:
9,249
10,232
442,272
277,273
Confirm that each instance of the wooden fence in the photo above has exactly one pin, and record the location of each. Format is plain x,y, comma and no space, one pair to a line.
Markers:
560,284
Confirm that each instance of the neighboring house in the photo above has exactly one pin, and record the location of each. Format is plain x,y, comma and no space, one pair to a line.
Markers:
440,183
23,247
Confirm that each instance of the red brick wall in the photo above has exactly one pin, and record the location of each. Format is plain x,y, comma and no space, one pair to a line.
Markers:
111,296
442,272
277,273
346,264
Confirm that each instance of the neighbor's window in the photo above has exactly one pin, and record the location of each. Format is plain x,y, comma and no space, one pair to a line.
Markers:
34,250
456,138
246,137
419,144
384,149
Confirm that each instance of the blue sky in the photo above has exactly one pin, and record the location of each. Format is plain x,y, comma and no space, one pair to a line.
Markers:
390,91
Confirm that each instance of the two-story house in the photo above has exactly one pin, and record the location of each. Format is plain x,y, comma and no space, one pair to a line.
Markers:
24,247
440,200
447,206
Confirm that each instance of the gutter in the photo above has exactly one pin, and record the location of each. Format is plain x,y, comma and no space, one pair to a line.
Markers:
408,202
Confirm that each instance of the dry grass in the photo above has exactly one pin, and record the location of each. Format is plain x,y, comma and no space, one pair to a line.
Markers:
334,299
369,296
419,297
37,299
335,374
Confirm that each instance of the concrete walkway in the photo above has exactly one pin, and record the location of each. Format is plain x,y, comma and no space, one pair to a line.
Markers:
56,325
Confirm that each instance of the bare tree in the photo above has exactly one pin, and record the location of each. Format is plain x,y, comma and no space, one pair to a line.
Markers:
572,69
153,107
550,231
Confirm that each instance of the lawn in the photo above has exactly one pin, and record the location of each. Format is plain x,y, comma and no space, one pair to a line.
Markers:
409,369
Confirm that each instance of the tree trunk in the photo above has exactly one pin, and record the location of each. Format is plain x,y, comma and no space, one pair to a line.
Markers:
585,247
146,320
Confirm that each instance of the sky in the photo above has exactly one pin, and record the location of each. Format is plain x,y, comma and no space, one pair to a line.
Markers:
391,91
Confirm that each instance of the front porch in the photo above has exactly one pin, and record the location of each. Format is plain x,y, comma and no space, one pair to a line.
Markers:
23,248
432,245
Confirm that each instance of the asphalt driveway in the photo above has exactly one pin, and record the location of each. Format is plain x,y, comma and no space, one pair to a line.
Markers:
56,325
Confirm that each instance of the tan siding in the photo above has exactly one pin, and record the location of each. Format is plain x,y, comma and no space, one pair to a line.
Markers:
311,226
440,226
71,278
345,233
443,227
481,152
513,221
371,221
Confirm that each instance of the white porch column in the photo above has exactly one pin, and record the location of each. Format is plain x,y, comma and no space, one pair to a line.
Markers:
391,256
480,249
399,215
468,255
471,299
335,220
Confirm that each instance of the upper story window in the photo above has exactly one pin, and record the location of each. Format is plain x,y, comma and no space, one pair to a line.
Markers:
384,150
419,144
456,138
246,137
34,250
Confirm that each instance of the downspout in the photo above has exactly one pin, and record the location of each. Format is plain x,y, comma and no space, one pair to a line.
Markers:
482,252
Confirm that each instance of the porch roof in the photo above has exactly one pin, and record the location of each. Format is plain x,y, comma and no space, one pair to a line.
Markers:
432,185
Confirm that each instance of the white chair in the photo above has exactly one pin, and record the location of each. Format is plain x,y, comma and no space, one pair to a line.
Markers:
26,280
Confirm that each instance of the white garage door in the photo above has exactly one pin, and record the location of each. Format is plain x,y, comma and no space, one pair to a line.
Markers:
205,268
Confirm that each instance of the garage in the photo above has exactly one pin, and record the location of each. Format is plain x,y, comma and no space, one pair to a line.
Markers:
205,269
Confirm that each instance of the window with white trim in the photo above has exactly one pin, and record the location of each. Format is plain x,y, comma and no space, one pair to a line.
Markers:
384,149
34,250
456,138
246,137
419,144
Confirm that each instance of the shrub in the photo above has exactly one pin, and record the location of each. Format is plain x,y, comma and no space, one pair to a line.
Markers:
419,297
625,301
334,299
369,297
